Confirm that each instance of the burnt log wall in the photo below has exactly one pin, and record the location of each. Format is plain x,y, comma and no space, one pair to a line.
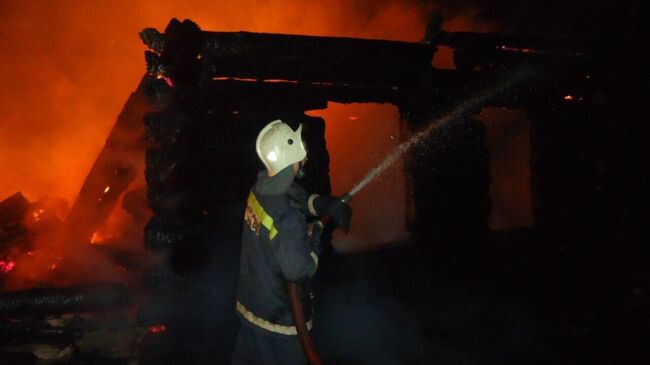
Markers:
200,165
215,91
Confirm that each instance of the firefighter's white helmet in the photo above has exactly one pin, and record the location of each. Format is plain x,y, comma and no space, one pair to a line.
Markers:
279,146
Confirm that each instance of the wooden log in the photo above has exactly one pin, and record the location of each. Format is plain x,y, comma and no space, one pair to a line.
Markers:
23,332
91,298
240,95
291,57
13,209
315,59
114,169
533,45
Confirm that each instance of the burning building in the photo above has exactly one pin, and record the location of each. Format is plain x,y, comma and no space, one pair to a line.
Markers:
179,164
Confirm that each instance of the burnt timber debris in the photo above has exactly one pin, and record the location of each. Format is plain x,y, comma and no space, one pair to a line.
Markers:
231,82
202,101
12,211
215,90
116,166
46,321
35,302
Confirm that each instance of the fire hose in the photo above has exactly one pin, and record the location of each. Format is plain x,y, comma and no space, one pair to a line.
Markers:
297,311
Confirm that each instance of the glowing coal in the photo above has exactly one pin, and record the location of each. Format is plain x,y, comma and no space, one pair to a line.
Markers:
6,265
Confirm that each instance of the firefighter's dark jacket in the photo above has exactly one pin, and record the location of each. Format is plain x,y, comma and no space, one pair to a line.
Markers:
275,249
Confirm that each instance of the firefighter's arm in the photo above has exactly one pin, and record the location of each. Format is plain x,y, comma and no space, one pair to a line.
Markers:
296,252
333,206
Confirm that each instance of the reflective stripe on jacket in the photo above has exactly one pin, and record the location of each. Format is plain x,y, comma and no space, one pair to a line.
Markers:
275,249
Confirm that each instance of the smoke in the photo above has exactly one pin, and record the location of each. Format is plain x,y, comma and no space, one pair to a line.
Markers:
68,67
358,137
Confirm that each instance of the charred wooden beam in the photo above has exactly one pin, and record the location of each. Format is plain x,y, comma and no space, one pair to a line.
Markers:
265,56
13,209
22,332
533,45
35,302
114,169
12,212
239,95
315,59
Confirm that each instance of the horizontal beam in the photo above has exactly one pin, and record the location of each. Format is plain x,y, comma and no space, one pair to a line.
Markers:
289,57
34,302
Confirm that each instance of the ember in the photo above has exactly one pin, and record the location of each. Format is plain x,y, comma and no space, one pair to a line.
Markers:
37,214
158,328
98,238
6,266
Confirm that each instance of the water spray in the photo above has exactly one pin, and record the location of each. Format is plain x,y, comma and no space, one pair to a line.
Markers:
457,112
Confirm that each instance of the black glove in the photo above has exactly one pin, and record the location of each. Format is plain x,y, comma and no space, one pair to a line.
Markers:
339,211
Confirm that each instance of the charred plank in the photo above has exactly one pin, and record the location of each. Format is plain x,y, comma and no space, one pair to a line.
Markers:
13,209
12,212
23,332
265,56
238,95
315,59
35,302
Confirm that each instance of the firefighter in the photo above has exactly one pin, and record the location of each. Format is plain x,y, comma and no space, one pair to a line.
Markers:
279,246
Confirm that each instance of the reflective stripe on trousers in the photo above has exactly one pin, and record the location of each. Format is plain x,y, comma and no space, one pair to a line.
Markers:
263,323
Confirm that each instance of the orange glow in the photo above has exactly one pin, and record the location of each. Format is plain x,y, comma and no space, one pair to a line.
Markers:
69,89
281,81
515,49
568,97
354,148
444,56
95,238
59,98
6,266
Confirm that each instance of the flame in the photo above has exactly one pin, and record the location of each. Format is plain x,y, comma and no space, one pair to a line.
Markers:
82,96
98,238
37,213
6,266
516,49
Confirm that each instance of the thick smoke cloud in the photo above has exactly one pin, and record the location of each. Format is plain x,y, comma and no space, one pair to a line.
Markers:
68,67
